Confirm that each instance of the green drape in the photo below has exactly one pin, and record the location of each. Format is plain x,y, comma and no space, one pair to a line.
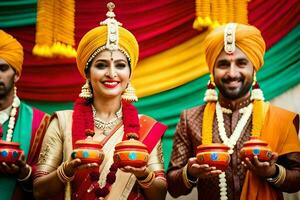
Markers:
17,13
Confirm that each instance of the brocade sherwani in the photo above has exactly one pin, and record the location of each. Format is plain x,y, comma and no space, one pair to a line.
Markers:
188,137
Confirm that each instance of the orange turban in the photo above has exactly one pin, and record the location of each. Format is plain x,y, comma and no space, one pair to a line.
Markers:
11,51
247,38
97,37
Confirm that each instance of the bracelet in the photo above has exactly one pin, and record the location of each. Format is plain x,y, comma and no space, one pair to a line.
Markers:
279,179
187,182
147,182
61,174
28,175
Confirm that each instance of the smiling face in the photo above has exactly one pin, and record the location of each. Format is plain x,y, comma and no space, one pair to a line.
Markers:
109,74
8,78
233,74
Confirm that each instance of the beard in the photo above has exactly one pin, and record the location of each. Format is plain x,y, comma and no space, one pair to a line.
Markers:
234,93
5,89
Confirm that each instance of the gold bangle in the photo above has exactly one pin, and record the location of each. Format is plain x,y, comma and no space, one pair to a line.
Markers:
147,182
279,179
186,181
28,175
61,174
148,178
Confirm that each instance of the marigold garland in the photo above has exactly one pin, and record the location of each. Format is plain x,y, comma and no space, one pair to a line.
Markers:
258,110
207,123
55,28
202,14
213,13
241,11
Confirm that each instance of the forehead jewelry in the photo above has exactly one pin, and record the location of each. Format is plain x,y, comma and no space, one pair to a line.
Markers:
229,38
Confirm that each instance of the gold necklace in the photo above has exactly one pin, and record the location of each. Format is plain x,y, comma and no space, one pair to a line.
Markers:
104,125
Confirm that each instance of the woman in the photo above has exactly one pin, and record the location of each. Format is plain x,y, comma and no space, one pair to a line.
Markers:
106,57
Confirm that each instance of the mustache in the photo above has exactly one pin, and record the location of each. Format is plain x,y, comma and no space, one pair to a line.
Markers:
230,79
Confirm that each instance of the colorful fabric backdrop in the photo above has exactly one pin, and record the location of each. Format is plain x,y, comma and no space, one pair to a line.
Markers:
171,75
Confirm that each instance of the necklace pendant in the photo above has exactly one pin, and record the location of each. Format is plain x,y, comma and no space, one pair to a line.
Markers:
105,132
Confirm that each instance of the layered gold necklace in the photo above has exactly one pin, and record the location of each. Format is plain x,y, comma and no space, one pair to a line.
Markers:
106,126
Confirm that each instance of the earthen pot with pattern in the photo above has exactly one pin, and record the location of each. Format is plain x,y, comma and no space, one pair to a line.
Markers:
10,152
131,153
256,147
88,151
215,155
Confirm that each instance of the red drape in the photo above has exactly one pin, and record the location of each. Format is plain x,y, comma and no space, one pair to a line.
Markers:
158,26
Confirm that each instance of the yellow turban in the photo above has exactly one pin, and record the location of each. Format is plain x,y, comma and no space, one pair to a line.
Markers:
97,37
247,38
11,51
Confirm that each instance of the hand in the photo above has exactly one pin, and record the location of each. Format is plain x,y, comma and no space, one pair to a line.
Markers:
196,170
72,166
138,172
19,168
262,169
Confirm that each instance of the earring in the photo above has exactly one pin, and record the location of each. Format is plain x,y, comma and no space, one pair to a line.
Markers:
129,94
257,93
86,91
211,93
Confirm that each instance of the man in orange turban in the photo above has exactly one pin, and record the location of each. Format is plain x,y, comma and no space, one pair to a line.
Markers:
18,123
11,51
234,53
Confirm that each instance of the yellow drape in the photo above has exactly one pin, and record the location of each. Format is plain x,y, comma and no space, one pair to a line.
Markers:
171,68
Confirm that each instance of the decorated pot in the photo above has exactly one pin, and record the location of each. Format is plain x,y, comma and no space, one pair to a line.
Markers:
131,153
256,147
10,152
88,151
215,155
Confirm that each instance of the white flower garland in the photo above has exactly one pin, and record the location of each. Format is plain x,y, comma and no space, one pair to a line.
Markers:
12,119
231,142
238,129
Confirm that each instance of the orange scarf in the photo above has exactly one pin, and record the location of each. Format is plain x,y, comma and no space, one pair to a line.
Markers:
281,134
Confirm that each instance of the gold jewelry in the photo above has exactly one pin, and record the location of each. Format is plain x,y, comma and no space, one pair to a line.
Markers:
28,175
147,182
61,174
129,94
188,183
106,126
279,179
86,91
113,28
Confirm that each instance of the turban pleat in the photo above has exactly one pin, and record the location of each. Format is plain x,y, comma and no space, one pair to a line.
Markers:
11,51
97,38
247,38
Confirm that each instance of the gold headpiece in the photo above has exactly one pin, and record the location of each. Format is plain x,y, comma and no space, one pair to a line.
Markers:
112,26
229,38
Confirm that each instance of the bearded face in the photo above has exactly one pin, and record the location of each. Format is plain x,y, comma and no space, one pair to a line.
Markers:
8,77
233,74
